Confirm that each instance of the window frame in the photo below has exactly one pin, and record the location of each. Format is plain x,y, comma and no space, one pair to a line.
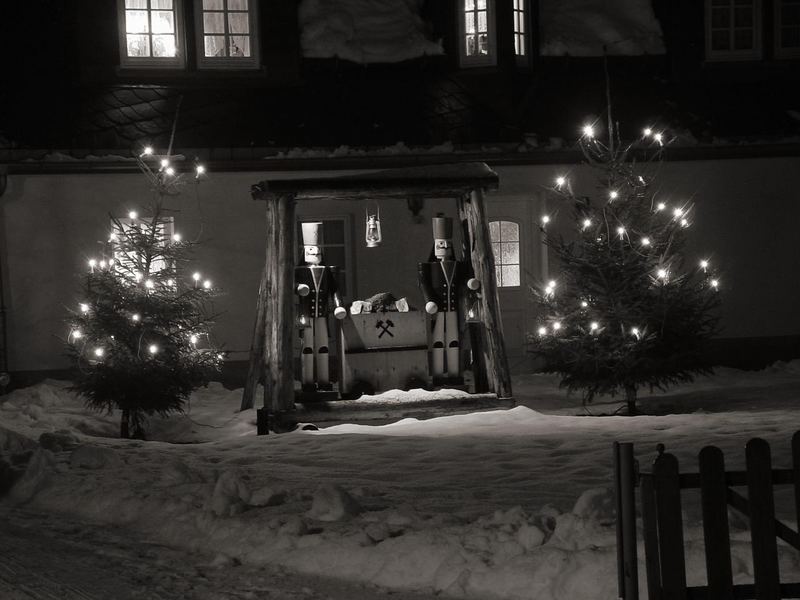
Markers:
204,62
756,53
349,268
152,62
522,59
486,60
497,260
779,51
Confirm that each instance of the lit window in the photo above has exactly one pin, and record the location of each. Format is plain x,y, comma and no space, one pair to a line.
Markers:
787,28
520,30
733,29
228,33
477,33
505,246
151,32
334,241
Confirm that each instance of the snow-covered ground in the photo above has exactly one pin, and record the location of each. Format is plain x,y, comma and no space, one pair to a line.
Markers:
501,504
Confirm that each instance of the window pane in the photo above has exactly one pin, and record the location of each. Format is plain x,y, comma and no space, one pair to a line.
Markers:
510,253
743,39
163,4
510,275
509,231
790,38
237,23
494,229
482,4
163,22
136,21
239,46
470,46
496,251
720,18
334,232
213,22
469,23
164,45
214,45
135,3
212,5
333,255
483,41
720,40
482,22
743,17
138,45
237,4
469,5
498,274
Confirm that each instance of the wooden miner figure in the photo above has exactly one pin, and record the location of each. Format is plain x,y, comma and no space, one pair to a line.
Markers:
442,280
315,284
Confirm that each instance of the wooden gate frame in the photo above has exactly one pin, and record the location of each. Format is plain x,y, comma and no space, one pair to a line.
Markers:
271,350
662,523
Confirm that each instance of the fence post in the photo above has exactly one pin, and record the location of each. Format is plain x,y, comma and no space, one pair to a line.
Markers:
762,520
652,560
666,483
716,532
627,559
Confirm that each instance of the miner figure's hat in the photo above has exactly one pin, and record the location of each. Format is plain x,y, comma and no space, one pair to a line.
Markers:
442,228
311,233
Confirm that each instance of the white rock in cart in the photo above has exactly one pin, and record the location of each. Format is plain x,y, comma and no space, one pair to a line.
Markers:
401,304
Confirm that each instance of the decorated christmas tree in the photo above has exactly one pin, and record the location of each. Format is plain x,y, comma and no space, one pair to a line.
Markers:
140,339
626,308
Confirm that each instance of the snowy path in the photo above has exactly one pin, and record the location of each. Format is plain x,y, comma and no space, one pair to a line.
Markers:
48,557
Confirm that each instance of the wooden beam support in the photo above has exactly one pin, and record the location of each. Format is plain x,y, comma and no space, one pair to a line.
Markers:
494,351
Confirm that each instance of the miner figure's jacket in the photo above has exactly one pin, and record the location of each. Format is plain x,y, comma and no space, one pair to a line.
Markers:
321,280
442,281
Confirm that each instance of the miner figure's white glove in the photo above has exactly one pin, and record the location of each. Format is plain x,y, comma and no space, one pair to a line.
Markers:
431,308
473,284
303,289
340,312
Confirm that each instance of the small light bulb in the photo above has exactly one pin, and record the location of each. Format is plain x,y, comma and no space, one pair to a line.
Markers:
588,131
77,334
164,163
112,237
207,284
193,338
135,317
584,304
542,330
133,215
149,284
704,264
98,352
658,137
661,206
148,150
587,223
645,241
110,262
170,282
153,348
661,273
613,194
176,237
169,171
92,262
635,331
84,307
647,132
551,284
196,276
684,223
200,169
593,325
714,283
677,212
545,220
102,264
621,231
221,356
556,326
561,181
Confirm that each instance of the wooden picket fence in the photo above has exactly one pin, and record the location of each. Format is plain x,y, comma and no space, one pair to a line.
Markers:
662,523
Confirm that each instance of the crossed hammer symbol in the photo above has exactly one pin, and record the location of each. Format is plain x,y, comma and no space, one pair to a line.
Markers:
384,327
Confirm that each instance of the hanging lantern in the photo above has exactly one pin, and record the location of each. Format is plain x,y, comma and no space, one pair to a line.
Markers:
474,310
373,228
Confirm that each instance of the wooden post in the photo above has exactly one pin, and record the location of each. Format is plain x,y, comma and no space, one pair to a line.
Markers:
627,556
472,329
762,520
652,560
716,530
279,310
255,367
667,487
494,350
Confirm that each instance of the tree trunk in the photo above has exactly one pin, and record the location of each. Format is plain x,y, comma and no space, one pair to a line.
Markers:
124,425
630,398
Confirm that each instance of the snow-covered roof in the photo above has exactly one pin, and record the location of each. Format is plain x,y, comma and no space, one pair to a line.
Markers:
594,27
364,31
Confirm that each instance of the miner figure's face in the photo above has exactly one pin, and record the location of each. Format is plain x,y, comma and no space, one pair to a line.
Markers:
312,255
443,248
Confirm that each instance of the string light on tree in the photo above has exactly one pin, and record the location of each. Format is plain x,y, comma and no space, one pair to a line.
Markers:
645,241
704,265
84,307
661,206
545,220
587,223
98,352
613,195
560,181
588,131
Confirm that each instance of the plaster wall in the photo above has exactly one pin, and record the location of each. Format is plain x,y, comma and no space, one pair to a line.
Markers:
746,213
